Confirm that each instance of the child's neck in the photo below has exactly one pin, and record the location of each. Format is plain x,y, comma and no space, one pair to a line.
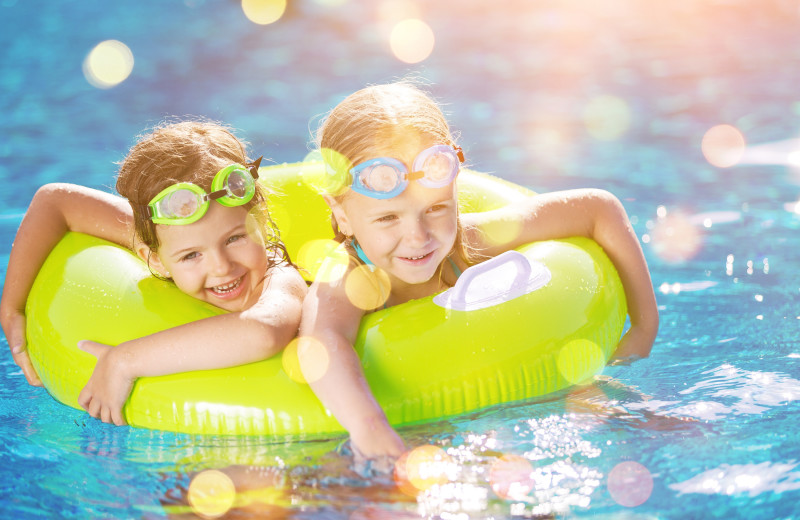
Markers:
403,292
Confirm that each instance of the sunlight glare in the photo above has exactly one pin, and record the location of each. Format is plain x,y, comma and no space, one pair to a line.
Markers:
421,468
630,484
367,289
511,477
412,40
314,253
211,493
675,238
263,12
607,117
108,64
579,360
305,360
723,146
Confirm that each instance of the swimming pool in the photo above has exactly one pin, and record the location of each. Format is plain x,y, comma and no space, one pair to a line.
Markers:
616,95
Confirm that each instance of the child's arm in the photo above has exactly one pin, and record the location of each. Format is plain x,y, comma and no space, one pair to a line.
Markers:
331,321
55,209
221,341
591,213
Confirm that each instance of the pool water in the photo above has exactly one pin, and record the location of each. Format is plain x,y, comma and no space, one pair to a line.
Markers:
554,95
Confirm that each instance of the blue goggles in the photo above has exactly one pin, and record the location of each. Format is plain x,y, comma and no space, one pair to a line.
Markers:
385,178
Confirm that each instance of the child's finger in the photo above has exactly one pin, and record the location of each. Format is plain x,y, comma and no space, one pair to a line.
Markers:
23,361
90,347
117,418
105,414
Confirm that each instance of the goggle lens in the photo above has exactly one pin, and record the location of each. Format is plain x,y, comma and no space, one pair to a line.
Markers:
179,204
380,178
239,184
439,169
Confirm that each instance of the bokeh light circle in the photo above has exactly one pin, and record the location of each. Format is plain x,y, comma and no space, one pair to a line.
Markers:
108,64
511,477
263,12
412,40
367,289
675,238
421,468
305,360
211,493
607,117
723,146
579,360
314,253
630,484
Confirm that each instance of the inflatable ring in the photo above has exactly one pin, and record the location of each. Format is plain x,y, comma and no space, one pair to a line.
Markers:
522,325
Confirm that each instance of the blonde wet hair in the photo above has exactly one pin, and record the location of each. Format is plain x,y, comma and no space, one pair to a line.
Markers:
366,122
188,151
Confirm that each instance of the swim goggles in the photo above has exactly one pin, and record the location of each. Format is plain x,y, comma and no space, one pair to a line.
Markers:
184,203
385,178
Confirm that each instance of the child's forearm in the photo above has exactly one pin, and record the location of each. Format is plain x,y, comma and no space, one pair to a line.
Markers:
56,209
218,342
614,233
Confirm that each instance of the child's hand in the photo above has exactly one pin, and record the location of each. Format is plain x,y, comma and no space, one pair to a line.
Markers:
635,344
14,328
109,387
377,442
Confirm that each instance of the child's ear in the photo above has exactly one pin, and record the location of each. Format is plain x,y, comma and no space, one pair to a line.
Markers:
151,258
340,215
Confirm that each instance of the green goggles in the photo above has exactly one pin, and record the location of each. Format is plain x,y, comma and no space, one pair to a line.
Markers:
184,203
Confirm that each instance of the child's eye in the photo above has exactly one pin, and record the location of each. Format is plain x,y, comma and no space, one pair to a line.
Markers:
386,218
189,256
437,207
235,238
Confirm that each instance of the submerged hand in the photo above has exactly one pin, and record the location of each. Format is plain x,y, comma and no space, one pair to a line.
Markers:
15,333
108,388
634,345
379,443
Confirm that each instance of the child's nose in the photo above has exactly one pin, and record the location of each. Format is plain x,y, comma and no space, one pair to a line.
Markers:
418,234
220,264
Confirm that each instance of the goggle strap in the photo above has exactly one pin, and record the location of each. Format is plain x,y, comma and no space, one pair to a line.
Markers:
413,176
253,167
214,195
459,153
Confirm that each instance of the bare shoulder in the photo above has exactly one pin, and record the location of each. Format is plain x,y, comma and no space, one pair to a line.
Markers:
286,278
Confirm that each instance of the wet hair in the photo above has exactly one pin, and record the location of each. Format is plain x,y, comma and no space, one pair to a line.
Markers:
187,151
365,124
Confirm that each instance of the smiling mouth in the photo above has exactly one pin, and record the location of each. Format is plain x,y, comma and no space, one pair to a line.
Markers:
227,288
417,258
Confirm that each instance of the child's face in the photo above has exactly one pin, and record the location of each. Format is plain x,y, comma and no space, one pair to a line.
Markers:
214,259
407,236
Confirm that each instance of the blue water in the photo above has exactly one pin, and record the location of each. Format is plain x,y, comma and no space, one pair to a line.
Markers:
711,418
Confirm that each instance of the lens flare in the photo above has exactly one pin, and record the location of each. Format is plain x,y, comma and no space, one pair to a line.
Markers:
367,289
607,117
412,40
108,64
421,468
630,484
675,238
211,493
331,268
305,360
511,477
723,146
315,253
501,232
263,12
579,360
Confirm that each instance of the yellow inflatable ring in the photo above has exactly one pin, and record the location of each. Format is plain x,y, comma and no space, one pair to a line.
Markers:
424,360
